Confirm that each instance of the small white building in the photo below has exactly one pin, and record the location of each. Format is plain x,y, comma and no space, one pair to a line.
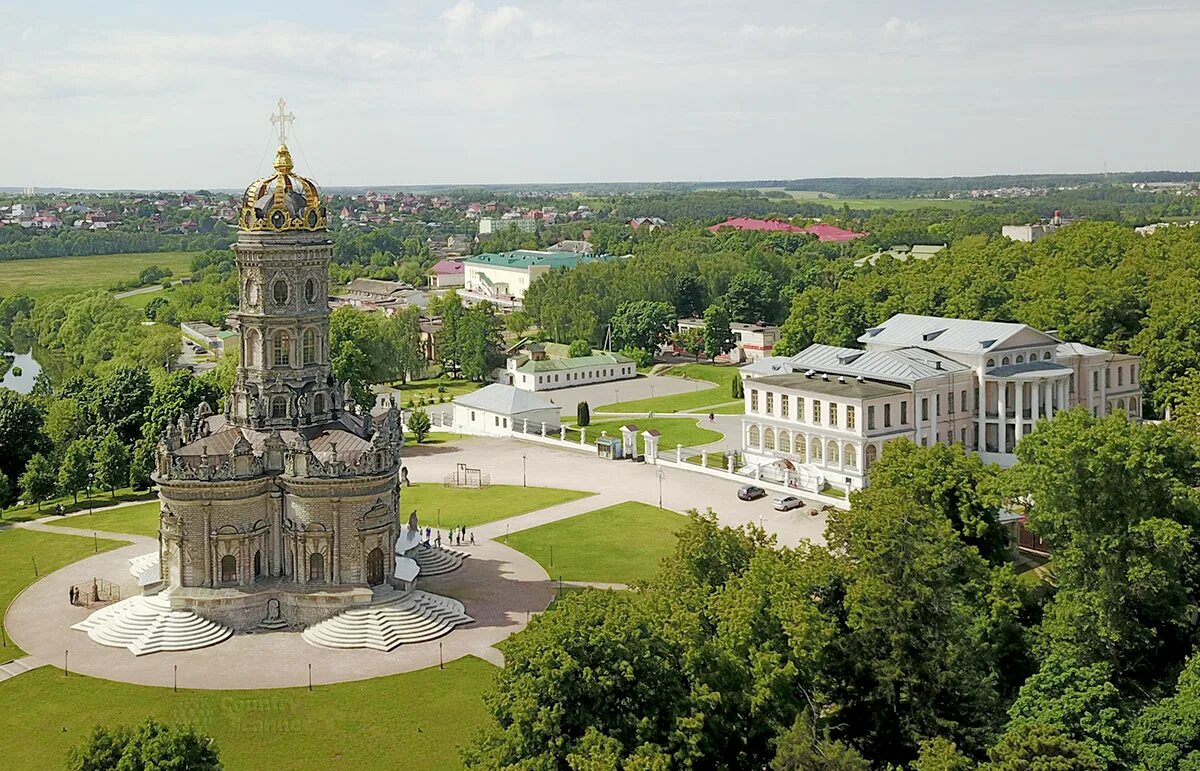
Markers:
504,278
754,341
498,410
533,370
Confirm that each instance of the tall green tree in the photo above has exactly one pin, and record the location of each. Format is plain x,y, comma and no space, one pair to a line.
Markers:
39,480
718,334
642,324
579,348
419,424
121,400
150,745
111,467
752,296
74,468
21,434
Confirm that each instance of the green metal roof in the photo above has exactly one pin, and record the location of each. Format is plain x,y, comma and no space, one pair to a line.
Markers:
558,365
526,258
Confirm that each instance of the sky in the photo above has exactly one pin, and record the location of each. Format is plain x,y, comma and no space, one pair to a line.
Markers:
178,95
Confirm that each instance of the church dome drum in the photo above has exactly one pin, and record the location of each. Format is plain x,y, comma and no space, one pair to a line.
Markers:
282,201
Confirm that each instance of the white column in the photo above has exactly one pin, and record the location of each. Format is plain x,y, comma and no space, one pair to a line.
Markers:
583,435
980,412
704,458
1002,432
1046,386
729,459
916,418
679,453
525,425
562,433
860,456
1064,397
1020,409
1103,390
543,428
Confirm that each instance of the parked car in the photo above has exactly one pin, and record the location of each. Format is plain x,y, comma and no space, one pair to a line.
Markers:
751,493
787,503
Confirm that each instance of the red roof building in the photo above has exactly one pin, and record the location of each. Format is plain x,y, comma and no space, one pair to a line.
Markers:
822,231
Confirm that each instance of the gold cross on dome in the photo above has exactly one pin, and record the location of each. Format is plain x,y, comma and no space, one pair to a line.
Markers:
282,119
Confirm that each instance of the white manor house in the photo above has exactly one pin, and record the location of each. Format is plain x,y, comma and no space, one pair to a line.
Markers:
822,417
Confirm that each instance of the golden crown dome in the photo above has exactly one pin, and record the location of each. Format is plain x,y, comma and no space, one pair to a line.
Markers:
282,201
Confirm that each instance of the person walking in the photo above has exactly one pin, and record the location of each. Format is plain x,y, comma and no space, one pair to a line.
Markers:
472,538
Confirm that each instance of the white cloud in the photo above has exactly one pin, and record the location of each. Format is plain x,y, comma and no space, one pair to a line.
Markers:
782,32
465,20
899,28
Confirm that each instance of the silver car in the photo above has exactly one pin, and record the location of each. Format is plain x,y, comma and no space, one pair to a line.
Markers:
787,503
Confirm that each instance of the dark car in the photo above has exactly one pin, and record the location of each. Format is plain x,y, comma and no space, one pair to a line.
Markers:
751,493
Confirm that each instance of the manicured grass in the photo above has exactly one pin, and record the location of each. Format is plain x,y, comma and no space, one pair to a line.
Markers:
685,431
98,500
413,720
141,519
673,403
720,374
464,507
26,555
732,408
427,389
434,437
52,276
618,544
143,299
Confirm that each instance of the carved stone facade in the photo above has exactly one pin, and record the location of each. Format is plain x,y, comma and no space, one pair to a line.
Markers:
284,506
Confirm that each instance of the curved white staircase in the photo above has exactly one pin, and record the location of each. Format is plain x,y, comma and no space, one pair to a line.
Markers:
145,568
147,624
436,560
413,618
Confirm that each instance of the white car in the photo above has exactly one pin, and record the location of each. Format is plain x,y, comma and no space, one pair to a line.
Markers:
787,503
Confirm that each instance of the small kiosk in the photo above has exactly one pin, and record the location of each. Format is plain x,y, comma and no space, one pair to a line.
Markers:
610,448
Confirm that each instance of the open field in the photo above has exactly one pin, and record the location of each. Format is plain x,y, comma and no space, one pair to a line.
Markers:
25,555
898,204
53,276
142,299
617,544
99,499
414,720
718,375
684,431
141,519
462,507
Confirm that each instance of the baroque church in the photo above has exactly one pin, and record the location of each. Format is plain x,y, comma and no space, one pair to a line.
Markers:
284,507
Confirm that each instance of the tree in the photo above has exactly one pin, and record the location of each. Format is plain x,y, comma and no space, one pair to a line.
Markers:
579,348
419,424
752,296
74,468
640,356
479,342
583,414
1039,747
802,748
66,420
736,389
689,295
938,754
518,322
141,464
150,745
718,334
121,400
690,340
112,463
1166,735
642,324
174,394
21,434
38,481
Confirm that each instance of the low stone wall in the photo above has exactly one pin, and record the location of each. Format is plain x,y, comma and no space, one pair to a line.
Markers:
242,610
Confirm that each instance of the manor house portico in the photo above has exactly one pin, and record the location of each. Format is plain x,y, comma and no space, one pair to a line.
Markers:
822,416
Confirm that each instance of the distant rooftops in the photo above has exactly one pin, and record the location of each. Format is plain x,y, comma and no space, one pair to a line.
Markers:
448,267
823,231
527,258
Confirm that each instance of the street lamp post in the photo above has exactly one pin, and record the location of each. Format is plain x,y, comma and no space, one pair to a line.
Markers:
660,474
523,478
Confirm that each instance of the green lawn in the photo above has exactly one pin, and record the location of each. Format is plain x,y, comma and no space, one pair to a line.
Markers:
427,389
685,431
417,719
98,500
140,301
51,276
898,204
720,374
618,544
717,374
733,408
141,519
435,437
462,507
24,551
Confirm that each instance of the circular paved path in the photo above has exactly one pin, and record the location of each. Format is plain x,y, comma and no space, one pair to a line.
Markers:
500,587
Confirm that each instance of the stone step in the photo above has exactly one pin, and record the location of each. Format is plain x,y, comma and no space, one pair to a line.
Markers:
18,667
436,560
147,624
417,617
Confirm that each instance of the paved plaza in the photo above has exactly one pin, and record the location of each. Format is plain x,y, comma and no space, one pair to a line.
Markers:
500,587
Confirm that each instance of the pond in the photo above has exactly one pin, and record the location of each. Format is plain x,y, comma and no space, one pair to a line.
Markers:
29,368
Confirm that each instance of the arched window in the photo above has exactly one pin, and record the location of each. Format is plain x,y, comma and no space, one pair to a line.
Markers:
1120,376
991,362
279,292
850,454
831,454
316,567
785,441
752,440
801,445
769,439
279,407
228,569
1046,355
257,563
309,346
870,456
318,404
816,450
250,344
310,291
282,349
1004,362
1020,358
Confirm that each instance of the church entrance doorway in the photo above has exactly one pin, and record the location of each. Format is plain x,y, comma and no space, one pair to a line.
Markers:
375,567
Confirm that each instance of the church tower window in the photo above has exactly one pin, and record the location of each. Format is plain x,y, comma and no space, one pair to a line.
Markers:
316,566
280,292
228,569
282,349
310,291
279,407
310,346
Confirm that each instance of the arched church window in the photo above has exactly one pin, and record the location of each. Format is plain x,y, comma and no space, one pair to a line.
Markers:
282,349
316,567
310,291
318,404
310,345
279,407
257,563
279,292
250,348
251,292
228,569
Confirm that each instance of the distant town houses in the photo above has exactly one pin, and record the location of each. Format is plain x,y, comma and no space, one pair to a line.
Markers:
504,278
822,417
823,231
447,274
372,294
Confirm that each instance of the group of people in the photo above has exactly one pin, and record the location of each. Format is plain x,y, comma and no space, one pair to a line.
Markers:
458,536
